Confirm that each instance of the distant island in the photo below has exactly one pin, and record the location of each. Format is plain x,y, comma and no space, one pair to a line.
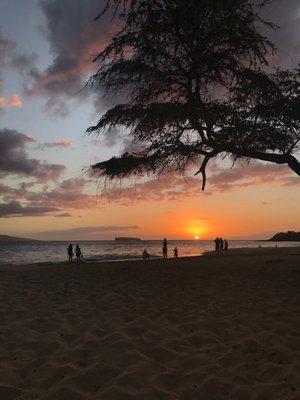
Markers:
6,238
127,239
289,236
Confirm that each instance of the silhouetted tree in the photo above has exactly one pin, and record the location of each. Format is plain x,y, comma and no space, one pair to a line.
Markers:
197,84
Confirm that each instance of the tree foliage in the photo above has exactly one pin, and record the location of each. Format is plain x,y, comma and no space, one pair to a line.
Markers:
197,84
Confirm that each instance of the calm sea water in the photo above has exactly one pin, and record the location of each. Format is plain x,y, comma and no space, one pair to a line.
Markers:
36,252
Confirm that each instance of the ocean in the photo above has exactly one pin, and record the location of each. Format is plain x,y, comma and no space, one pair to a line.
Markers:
16,253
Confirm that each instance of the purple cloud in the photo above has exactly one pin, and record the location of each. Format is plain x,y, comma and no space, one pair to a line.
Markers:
88,232
15,160
74,38
16,209
175,187
67,196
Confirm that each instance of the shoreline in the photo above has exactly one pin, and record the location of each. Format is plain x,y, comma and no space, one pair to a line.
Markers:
229,252
232,252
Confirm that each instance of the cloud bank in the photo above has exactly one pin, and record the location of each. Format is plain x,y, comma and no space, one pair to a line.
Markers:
16,209
74,38
87,233
64,198
178,188
14,158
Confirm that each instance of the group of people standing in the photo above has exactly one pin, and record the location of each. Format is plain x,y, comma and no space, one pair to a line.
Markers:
146,255
78,253
220,244
165,249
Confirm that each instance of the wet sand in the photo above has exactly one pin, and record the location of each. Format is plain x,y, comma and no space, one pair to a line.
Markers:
214,327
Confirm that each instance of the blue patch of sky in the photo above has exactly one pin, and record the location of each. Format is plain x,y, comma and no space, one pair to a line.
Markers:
23,22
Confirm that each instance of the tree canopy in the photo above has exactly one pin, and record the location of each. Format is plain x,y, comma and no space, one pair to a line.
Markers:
197,83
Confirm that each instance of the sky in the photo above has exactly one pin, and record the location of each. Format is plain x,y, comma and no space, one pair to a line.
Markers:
46,192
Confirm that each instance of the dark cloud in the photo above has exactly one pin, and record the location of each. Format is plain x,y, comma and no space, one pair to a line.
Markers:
8,193
70,194
67,196
100,229
6,47
25,63
286,15
74,39
4,189
16,209
15,160
85,233
63,215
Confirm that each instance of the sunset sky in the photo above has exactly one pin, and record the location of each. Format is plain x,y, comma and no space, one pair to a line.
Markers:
46,48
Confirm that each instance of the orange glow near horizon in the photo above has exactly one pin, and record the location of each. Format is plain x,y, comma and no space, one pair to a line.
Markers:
196,229
244,213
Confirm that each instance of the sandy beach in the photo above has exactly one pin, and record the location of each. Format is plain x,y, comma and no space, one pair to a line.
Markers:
214,327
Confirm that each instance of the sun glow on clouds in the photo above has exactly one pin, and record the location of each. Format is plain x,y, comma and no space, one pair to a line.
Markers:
14,101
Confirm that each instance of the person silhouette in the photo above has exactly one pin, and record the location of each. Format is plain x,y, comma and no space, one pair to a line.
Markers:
217,244
146,255
78,253
221,244
165,248
225,245
70,252
176,252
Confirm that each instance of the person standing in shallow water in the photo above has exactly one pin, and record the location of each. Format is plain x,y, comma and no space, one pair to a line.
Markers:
70,252
146,255
176,252
165,248
78,253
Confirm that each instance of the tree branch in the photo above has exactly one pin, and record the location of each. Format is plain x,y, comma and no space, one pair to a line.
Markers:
288,159
202,169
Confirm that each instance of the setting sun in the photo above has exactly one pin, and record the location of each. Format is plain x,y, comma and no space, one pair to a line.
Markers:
196,228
